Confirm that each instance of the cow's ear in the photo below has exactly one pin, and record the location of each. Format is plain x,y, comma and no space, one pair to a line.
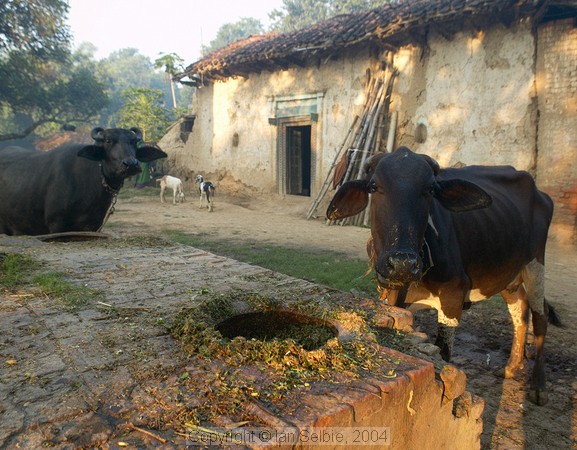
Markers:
147,153
461,195
92,152
351,198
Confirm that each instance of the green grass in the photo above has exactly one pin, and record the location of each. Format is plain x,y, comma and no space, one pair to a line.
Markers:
54,284
332,269
129,191
14,269
22,272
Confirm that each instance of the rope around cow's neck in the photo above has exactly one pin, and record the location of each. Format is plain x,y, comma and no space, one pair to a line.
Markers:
109,212
114,194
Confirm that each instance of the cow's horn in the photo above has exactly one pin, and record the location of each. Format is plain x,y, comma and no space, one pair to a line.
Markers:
434,164
137,131
372,162
97,134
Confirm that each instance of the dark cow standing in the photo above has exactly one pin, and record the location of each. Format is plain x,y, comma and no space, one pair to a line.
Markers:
442,238
70,188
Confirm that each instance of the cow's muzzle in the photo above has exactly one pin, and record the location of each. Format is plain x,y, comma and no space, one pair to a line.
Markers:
398,269
131,166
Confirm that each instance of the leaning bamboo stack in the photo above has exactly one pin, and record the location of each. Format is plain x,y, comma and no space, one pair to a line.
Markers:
365,137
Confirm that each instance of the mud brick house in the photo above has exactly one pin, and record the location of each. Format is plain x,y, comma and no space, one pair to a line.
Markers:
465,81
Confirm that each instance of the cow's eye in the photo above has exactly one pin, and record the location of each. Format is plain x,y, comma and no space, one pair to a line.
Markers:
372,187
430,190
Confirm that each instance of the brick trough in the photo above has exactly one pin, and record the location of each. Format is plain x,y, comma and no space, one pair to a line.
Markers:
108,374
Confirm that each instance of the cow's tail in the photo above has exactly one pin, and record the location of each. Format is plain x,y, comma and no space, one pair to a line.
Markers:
553,317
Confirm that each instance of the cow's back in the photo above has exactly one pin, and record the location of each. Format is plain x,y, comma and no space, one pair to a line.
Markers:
495,242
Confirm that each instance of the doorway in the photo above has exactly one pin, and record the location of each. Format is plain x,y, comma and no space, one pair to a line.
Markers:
298,160
296,156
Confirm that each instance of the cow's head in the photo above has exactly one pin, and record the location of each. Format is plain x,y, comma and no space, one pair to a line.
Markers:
119,150
403,186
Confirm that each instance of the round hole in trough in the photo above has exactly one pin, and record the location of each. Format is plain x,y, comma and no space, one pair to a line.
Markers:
308,332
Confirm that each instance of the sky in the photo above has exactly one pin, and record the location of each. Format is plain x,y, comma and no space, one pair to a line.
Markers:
163,26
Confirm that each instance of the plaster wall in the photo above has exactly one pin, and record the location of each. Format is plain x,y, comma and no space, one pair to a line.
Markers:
234,142
495,96
474,95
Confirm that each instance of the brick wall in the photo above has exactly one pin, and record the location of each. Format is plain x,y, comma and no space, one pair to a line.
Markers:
556,72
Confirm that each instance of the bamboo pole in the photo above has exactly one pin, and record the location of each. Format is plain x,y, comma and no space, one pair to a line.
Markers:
326,183
366,134
392,129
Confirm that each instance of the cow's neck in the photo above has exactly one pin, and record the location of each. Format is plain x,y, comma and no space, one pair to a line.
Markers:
111,186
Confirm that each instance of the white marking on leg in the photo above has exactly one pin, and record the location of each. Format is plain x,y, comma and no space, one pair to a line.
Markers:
475,295
433,302
516,313
443,319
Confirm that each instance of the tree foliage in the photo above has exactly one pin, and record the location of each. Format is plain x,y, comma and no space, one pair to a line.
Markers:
143,108
33,26
41,81
37,92
291,16
232,32
127,69
297,14
172,64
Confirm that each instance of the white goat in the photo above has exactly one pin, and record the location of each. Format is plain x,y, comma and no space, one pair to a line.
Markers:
206,189
176,185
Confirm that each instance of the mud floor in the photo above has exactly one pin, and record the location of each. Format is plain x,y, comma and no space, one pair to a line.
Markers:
39,340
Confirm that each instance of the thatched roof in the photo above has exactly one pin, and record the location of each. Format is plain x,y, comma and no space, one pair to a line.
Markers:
392,25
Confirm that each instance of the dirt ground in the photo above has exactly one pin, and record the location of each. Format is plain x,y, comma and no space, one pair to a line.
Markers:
51,338
483,339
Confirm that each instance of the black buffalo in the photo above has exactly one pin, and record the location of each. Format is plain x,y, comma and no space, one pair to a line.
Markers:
70,188
443,238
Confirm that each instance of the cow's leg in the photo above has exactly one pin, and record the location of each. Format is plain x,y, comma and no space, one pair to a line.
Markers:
445,339
534,279
517,304
538,393
162,200
448,316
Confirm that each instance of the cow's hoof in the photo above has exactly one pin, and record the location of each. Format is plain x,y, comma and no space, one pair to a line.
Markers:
538,396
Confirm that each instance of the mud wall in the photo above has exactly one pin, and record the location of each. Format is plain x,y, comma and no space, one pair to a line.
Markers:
472,95
496,96
235,134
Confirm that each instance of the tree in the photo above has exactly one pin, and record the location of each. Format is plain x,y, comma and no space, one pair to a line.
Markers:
143,109
35,92
297,14
40,80
37,27
172,64
232,32
126,69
